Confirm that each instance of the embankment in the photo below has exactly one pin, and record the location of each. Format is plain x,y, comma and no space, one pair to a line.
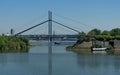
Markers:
84,47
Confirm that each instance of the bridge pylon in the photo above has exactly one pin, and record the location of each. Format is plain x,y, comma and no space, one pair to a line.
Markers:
50,20
50,25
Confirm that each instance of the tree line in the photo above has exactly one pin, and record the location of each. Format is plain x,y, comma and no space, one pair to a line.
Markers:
13,43
100,35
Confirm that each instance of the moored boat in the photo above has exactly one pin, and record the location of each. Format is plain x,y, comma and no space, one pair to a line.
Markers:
100,50
57,43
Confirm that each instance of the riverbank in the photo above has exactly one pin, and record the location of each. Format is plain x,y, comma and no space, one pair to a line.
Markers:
13,43
85,48
82,48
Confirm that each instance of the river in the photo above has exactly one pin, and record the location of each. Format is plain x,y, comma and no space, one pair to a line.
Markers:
62,62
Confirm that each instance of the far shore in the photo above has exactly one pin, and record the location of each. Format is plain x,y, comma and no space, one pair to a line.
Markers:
38,41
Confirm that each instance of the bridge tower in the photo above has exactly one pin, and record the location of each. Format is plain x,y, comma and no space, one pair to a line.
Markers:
50,25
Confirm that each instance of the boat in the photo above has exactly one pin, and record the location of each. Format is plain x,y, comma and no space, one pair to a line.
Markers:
100,50
57,43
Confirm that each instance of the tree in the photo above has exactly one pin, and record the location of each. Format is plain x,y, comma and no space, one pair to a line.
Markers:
13,43
82,35
115,32
94,32
105,32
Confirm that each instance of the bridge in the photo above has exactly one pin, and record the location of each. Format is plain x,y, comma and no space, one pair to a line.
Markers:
55,37
50,35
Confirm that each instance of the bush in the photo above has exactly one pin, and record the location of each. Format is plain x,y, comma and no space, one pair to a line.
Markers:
8,43
97,45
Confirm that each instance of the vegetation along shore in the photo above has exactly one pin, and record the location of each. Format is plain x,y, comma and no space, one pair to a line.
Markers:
9,43
97,39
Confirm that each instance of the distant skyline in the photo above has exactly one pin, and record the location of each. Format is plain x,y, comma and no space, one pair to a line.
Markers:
22,14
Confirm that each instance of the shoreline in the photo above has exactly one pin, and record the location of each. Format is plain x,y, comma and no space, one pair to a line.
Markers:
85,48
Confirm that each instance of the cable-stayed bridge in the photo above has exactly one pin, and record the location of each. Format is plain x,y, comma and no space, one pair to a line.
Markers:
50,35
61,37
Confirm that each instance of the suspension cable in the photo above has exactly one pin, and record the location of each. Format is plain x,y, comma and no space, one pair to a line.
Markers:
30,28
66,26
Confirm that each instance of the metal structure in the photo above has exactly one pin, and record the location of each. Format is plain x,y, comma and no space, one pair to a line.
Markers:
50,36
50,20
50,25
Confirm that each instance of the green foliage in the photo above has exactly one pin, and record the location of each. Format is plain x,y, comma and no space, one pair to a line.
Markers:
117,37
9,43
82,37
115,32
87,39
105,32
105,35
98,35
94,32
24,40
97,45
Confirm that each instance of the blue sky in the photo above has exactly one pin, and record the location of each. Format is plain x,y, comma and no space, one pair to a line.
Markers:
21,14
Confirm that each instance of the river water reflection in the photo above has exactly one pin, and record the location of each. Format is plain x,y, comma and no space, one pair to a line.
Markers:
36,62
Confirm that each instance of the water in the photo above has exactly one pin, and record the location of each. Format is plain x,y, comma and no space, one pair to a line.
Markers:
36,62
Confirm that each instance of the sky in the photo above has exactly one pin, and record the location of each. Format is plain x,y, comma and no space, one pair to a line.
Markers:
82,15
